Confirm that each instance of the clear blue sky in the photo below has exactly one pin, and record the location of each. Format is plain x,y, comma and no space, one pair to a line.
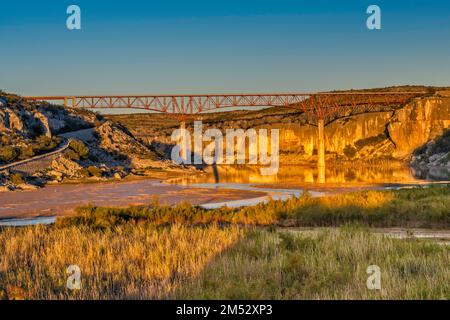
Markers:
197,46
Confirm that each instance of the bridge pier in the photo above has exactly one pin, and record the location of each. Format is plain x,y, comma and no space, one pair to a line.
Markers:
321,151
66,102
184,147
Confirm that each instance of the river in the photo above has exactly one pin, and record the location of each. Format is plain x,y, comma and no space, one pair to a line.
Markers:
226,185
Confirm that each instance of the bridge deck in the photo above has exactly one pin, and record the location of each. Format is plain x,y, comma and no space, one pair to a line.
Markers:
319,104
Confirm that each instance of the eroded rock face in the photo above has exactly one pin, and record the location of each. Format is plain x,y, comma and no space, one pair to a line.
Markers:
4,121
417,123
302,140
65,167
381,135
14,120
375,135
115,138
44,123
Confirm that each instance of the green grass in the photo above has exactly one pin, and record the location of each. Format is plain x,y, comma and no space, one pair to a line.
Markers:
418,207
330,264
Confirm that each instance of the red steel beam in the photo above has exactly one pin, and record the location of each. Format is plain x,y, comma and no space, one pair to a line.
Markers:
319,105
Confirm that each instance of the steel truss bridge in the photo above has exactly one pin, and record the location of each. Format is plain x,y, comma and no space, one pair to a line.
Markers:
321,107
318,105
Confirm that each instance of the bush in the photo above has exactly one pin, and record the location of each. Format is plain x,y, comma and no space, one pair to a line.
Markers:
418,208
26,152
16,178
371,141
79,148
71,155
45,144
94,171
8,154
350,151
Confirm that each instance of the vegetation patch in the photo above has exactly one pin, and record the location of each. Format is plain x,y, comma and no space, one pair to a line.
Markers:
327,264
145,262
418,207
370,141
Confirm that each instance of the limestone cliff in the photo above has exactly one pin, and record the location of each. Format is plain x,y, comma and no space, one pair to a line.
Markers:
392,135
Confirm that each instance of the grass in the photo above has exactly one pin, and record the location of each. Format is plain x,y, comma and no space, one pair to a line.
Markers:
158,252
418,207
143,262
129,262
330,264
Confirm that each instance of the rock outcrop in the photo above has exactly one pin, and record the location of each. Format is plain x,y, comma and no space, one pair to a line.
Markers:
117,139
65,167
418,123
387,135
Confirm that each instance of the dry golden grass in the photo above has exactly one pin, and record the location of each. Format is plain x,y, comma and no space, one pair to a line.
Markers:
181,252
127,262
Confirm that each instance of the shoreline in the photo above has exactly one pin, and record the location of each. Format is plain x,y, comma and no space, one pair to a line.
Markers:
139,190
46,202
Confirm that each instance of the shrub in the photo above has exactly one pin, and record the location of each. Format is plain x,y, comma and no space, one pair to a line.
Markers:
44,144
94,171
26,152
418,207
8,154
79,148
71,155
16,178
350,151
371,141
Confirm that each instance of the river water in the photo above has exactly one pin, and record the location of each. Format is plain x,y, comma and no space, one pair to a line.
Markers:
294,176
233,186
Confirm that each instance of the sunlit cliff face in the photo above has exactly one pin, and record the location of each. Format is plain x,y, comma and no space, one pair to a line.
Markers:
388,136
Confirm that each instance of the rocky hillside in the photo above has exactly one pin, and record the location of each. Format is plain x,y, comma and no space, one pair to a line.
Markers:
388,135
96,148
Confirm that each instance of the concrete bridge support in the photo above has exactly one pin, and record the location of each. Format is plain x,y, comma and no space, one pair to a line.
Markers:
66,101
321,152
184,149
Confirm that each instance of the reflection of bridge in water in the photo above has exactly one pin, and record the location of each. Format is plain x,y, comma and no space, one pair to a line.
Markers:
321,108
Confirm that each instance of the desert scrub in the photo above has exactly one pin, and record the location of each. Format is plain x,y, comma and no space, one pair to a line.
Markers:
327,264
127,262
16,178
418,207
184,213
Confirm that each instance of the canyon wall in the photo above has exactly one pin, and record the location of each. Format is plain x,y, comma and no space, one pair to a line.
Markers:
392,135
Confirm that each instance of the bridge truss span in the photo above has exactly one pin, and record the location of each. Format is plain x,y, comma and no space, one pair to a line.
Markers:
319,105
189,104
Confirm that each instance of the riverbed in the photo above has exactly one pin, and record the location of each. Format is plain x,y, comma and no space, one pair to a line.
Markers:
230,186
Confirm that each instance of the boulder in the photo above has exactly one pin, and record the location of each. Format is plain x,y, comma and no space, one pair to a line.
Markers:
14,120
44,123
65,167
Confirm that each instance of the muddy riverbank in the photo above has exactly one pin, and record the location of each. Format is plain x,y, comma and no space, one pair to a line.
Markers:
63,199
